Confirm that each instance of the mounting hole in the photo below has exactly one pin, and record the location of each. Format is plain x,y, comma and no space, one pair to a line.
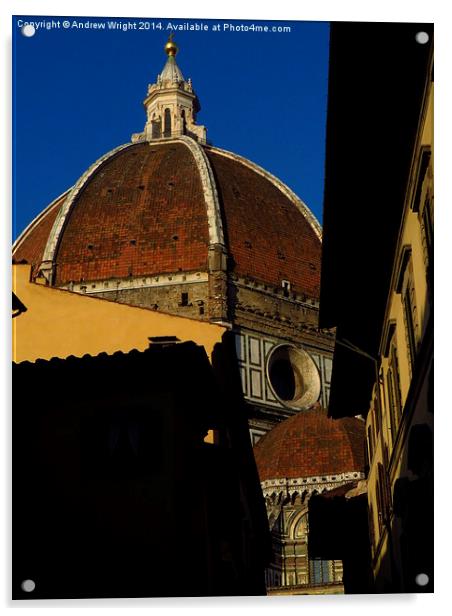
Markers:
422,579
422,38
28,585
28,30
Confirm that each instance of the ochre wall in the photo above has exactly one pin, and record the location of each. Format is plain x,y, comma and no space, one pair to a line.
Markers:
397,444
59,323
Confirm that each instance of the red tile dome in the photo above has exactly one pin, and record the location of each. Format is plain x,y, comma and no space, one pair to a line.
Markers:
310,444
142,210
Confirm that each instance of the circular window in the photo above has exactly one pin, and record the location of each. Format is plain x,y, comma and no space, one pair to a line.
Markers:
293,377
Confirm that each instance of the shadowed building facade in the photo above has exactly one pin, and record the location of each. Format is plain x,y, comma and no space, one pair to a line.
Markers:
120,487
378,249
116,494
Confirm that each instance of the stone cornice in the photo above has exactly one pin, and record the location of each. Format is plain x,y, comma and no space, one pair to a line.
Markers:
263,287
92,287
319,483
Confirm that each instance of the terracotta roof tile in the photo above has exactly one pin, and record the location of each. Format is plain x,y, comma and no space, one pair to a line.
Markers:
32,247
310,444
142,213
267,236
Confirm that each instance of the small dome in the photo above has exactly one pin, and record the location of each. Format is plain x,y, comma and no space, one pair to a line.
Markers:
310,444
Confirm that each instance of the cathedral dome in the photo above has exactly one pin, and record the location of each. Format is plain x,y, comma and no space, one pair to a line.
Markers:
169,208
156,207
311,445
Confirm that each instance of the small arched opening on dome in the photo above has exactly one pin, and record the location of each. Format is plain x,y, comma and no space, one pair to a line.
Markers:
286,287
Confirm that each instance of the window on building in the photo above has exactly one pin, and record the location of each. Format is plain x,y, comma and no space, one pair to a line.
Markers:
370,445
167,129
379,508
424,162
396,379
377,413
255,435
382,391
405,286
394,394
393,413
286,287
184,299
423,204
384,494
382,498
319,571
409,322
371,528
427,237
156,129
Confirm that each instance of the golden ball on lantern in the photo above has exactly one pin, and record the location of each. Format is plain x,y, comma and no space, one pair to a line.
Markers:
171,48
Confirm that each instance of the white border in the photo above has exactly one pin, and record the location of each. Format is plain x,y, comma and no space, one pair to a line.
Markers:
345,10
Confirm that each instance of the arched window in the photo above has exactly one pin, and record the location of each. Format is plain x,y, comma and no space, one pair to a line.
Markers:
156,127
184,122
167,130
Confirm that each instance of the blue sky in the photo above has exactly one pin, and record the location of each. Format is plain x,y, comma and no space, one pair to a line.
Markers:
78,93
